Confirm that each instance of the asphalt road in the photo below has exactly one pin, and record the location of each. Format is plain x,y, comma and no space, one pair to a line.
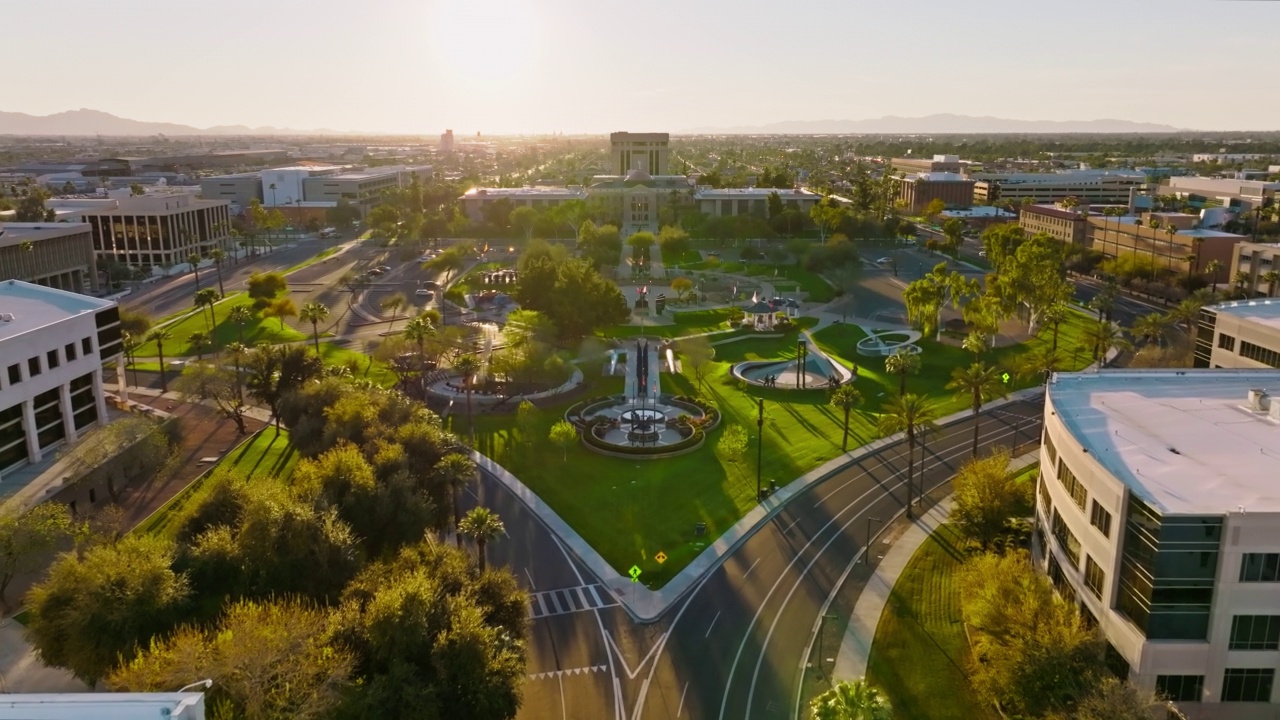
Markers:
733,646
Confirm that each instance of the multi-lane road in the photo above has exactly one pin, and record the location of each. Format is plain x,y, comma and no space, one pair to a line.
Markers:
734,646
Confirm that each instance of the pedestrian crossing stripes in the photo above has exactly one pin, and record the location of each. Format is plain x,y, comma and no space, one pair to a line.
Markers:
552,675
570,600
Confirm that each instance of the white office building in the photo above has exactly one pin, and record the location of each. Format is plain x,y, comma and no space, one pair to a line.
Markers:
103,706
52,347
1158,510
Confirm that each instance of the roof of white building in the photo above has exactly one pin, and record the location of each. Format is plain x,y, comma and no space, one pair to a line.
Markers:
706,193
14,233
979,211
1262,311
526,192
25,307
1185,441
938,177
103,706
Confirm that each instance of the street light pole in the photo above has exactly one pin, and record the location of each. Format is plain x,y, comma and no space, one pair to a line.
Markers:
759,445
866,551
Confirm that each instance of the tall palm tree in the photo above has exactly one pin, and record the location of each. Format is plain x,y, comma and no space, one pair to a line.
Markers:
851,700
846,397
419,330
1271,278
902,363
1170,230
913,415
240,315
1102,337
455,470
1054,315
467,366
158,336
315,313
199,341
1212,268
1241,280
218,255
237,351
1041,363
481,525
194,259
393,302
976,384
205,299
1151,328
1188,313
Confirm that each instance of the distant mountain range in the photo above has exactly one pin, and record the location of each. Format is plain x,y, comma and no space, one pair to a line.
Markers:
95,122
937,124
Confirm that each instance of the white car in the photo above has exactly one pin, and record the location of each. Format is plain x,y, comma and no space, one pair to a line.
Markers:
884,261
423,292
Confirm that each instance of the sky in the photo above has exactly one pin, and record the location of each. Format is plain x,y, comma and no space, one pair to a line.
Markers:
573,66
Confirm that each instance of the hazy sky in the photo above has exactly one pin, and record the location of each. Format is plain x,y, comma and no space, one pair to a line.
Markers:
505,66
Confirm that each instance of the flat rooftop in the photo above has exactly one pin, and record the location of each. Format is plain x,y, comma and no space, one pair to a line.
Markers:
783,193
35,306
14,233
1262,311
1185,441
540,191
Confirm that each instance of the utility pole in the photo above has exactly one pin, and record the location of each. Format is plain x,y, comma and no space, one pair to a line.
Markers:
759,446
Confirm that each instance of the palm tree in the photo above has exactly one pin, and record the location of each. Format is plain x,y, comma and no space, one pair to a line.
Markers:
393,303
206,298
315,313
914,415
481,525
1271,278
237,351
1151,327
1240,280
419,330
977,384
240,315
194,259
1187,312
467,366
1104,336
199,341
902,363
846,397
218,255
851,700
976,343
455,470
1212,268
1041,363
158,336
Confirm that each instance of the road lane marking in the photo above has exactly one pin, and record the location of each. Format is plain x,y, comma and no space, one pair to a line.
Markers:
680,710
562,601
531,585
631,675
753,567
557,674
793,524
713,624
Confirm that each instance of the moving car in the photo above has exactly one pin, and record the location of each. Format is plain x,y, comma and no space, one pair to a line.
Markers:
884,261
423,292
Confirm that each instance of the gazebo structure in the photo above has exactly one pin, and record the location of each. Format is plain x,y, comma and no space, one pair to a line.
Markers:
759,315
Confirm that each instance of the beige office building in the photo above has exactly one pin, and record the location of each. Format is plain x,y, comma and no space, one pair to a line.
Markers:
158,230
1065,224
1157,513
361,188
938,163
59,255
915,192
1129,234
646,152
1096,187
1241,334
1260,261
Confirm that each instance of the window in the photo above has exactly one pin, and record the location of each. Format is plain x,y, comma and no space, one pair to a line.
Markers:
1066,540
1073,486
1260,567
15,374
1045,500
70,351
1227,342
1093,577
1255,632
1050,450
52,358
1266,356
33,366
1100,518
1247,684
1180,688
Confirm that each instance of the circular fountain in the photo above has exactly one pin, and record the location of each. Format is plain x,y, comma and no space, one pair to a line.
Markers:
818,371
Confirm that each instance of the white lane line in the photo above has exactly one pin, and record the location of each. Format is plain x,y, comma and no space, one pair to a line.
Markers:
713,624
753,567
680,710
564,710
531,585
793,524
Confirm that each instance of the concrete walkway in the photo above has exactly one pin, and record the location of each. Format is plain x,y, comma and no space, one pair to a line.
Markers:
855,648
21,670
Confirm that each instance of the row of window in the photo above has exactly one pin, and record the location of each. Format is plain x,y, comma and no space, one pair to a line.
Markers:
51,360
1227,342
1238,685
1260,567
1266,356
1074,487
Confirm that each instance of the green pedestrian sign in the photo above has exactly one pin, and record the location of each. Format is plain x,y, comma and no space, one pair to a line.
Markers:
635,573
1005,378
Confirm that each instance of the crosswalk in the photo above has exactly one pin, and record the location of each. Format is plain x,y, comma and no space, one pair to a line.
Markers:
570,600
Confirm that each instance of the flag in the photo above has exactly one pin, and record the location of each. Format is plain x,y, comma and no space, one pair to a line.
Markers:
755,297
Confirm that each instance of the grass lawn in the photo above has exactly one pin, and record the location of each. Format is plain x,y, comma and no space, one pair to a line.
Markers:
686,257
691,322
257,331
810,282
919,655
264,455
359,363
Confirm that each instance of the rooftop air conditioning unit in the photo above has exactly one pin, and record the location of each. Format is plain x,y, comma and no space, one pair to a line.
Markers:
1275,411
1259,400
7,317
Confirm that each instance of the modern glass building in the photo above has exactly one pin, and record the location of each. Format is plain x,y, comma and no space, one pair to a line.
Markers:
1158,512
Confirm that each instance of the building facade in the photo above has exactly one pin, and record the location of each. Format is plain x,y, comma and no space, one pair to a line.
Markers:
1243,334
58,255
1241,195
646,152
1156,514
938,163
477,202
1176,246
1096,187
1065,224
1261,262
750,201
52,347
916,191
158,231
239,190
361,188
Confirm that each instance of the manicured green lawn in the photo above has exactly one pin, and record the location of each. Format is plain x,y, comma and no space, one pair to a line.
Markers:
257,331
692,322
810,282
686,257
920,655
266,454
359,363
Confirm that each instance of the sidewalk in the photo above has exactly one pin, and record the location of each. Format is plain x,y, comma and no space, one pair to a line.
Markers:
22,671
855,648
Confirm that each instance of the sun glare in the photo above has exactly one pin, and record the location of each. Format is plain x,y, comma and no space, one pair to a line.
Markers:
485,46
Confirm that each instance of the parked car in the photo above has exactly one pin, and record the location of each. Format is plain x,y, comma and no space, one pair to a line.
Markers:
375,272
429,284
884,261
423,292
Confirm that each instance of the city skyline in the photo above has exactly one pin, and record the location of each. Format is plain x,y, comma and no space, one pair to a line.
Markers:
513,66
